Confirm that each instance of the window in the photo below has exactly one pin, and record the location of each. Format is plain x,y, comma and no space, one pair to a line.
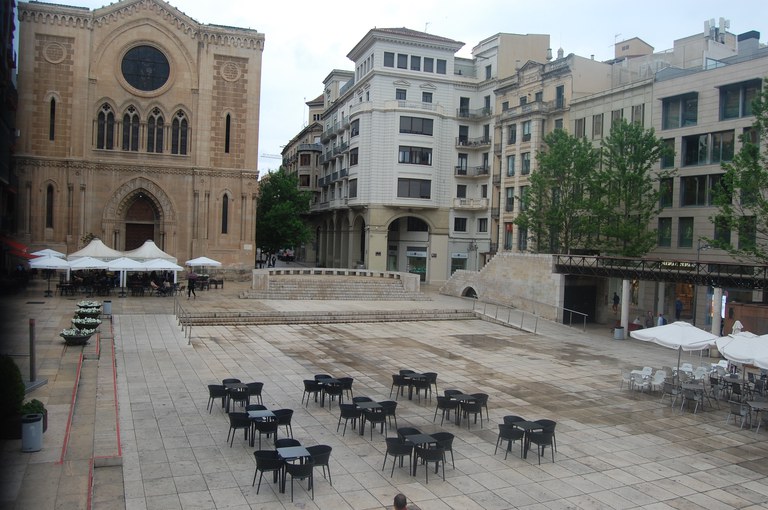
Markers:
747,232
304,181
722,146
488,70
668,159
694,190
441,66
482,225
560,97
227,132
722,231
305,159
695,149
679,111
523,100
460,224
224,213
414,188
522,239
638,114
131,130
685,232
509,202
52,120
145,68
415,224
523,198
578,128
505,106
558,123
736,100
461,167
401,94
666,191
511,165
415,155
538,97
597,126
354,128
49,206
155,126
426,97
429,65
527,131
352,190
525,168
353,155
483,191
416,125
719,189
665,232
415,63
179,133
508,235
402,61
461,191
512,135
616,116
105,130
389,59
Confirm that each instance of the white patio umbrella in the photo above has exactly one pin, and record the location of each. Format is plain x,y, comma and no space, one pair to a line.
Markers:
745,348
677,335
49,253
203,262
49,262
163,265
88,263
123,265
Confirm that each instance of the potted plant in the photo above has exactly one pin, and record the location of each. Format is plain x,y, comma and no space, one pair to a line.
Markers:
34,406
76,336
85,322
11,398
88,312
88,304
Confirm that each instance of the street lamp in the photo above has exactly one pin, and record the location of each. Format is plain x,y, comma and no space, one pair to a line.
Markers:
700,246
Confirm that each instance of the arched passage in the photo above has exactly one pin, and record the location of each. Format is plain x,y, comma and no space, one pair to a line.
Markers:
408,245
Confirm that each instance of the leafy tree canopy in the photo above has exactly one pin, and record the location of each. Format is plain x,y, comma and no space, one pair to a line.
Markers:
279,210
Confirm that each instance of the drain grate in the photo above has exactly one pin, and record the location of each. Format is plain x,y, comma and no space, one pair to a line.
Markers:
35,302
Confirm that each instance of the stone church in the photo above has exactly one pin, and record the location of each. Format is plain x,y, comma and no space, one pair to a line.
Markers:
137,122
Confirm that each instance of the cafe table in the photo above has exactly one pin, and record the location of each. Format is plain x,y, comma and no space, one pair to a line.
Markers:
328,381
234,388
288,454
364,406
528,427
258,416
413,376
461,397
418,440
757,407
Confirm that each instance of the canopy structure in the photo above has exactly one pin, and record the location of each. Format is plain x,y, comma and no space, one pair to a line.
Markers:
88,263
148,251
49,253
745,348
49,262
162,265
203,262
677,335
97,250
123,265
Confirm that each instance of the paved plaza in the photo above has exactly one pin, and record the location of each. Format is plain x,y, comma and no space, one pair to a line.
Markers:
616,448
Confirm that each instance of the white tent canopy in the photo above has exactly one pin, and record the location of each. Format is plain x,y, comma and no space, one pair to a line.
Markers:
203,262
162,265
49,262
677,335
148,251
49,253
745,348
88,263
97,250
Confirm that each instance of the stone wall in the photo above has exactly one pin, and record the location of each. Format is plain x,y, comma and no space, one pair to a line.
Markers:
519,280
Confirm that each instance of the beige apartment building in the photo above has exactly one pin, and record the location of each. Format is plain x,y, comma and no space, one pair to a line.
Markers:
137,122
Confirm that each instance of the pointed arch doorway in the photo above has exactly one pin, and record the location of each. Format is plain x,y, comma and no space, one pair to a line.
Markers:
141,221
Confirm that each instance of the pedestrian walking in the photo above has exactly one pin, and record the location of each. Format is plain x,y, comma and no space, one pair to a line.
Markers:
191,280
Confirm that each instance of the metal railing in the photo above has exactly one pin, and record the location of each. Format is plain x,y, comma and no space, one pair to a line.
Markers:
522,318
184,319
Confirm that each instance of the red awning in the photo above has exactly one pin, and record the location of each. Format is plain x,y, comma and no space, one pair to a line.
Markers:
14,245
21,254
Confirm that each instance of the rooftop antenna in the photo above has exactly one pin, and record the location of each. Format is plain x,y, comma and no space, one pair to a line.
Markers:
426,25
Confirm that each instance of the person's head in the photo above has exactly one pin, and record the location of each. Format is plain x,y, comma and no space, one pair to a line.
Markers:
400,502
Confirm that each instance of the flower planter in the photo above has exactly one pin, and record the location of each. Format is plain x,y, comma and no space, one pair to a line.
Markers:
89,304
76,339
86,323
91,315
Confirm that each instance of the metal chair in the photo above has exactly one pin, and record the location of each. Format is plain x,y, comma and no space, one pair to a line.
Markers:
301,472
510,434
435,455
348,412
398,382
238,421
254,390
398,450
216,391
445,405
267,461
321,455
311,387
284,417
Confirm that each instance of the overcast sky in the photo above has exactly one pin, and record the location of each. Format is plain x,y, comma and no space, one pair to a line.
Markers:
306,40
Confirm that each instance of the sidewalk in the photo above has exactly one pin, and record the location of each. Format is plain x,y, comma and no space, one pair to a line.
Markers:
615,448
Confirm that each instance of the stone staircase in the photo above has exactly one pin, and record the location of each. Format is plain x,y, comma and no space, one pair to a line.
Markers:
323,317
354,288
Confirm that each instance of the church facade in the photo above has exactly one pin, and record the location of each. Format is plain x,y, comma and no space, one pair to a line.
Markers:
137,122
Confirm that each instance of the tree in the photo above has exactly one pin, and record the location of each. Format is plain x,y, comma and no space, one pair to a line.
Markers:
557,212
631,196
279,210
741,197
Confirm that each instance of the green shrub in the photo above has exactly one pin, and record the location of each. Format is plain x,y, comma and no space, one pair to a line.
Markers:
33,406
12,394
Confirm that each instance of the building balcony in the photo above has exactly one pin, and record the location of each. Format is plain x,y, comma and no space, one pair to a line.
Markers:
537,107
496,179
497,149
482,142
472,171
343,172
477,113
473,204
315,147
